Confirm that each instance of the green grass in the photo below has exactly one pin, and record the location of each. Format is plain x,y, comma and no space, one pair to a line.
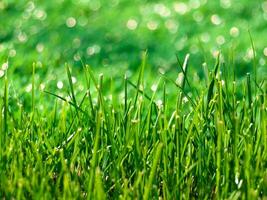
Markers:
86,115
142,136
38,30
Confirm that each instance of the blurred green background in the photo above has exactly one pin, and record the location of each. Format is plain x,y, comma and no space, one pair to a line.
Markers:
113,33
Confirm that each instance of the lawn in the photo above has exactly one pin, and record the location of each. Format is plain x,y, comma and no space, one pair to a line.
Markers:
133,99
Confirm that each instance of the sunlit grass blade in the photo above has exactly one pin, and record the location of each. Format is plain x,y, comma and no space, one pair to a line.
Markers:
140,84
212,83
152,174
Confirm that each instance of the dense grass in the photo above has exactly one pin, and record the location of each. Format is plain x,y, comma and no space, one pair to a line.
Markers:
172,128
138,139
113,33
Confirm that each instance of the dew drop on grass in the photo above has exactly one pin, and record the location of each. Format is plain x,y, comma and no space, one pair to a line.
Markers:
94,49
71,22
161,70
215,19
234,31
73,79
185,100
171,25
22,37
12,53
2,73
162,10
60,84
77,57
39,47
132,24
225,4
152,25
68,98
215,53
179,79
220,40
249,54
42,86
181,8
154,87
5,66
265,51
41,107
28,88
40,14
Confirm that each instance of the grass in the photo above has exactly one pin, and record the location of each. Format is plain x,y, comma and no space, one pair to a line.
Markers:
119,139
100,127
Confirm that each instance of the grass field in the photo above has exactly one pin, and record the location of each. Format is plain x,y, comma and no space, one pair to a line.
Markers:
133,100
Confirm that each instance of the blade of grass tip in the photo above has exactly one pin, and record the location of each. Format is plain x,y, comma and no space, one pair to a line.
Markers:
91,75
140,77
88,90
71,87
187,96
249,91
54,118
148,117
206,72
211,86
102,105
254,58
164,97
184,69
249,98
152,174
100,97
